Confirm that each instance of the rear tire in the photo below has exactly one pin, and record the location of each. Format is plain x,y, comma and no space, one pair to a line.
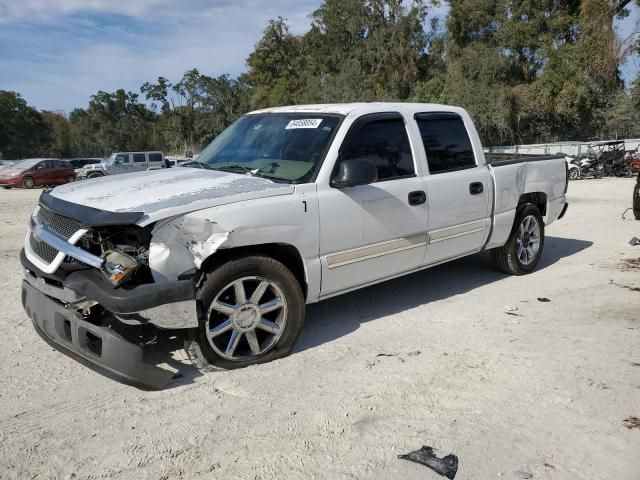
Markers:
523,249
573,174
28,183
241,327
636,201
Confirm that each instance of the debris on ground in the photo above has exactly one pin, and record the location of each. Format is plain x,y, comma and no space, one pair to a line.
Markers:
629,263
446,466
414,353
514,314
635,364
543,299
521,474
633,289
631,422
548,465
634,242
510,308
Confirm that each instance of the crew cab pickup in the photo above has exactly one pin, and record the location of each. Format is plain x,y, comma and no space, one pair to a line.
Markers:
293,205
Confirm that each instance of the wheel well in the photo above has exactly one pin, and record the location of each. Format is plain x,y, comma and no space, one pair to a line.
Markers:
539,199
287,254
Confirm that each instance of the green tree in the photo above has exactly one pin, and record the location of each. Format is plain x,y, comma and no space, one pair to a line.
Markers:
23,131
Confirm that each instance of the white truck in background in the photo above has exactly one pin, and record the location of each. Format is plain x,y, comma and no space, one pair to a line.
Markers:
294,205
123,162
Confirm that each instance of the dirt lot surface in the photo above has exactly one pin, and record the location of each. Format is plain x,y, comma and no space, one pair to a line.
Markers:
429,359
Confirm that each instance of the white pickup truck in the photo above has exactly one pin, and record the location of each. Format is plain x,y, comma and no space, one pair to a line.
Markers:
293,205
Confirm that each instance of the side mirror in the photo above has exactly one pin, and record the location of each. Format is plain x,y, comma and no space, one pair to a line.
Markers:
355,172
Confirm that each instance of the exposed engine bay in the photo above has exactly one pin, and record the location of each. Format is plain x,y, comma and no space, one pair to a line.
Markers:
125,251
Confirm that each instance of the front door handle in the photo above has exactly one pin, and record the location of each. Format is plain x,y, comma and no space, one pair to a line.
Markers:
476,188
417,198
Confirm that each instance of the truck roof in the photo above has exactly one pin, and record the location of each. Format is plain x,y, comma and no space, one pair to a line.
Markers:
361,108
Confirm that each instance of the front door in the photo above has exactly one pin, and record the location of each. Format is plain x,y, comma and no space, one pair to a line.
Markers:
370,232
459,191
122,163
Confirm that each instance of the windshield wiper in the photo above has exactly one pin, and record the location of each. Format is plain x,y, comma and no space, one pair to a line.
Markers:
233,169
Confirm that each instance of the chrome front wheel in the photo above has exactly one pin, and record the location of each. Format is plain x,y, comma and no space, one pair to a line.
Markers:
246,318
253,312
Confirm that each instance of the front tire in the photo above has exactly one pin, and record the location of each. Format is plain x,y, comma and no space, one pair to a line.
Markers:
523,249
573,174
253,313
95,175
636,201
71,179
28,183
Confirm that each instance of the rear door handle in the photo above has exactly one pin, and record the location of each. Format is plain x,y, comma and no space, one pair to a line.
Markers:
476,188
417,198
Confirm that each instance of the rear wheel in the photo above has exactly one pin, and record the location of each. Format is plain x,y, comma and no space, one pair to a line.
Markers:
636,201
254,314
28,183
523,249
573,174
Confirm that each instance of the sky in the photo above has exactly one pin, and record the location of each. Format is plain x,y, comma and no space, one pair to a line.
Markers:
57,53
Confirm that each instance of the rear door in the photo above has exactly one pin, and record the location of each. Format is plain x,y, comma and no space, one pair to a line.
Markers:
139,162
156,160
458,189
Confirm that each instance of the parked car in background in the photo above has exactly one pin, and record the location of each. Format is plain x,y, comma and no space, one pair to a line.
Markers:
79,163
36,172
124,162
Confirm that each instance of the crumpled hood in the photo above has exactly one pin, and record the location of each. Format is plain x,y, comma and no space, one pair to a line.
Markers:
167,192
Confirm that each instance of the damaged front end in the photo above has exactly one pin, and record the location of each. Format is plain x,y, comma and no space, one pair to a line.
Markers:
88,272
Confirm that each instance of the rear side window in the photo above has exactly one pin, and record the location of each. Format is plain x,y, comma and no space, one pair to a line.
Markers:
63,164
139,158
384,142
155,157
446,142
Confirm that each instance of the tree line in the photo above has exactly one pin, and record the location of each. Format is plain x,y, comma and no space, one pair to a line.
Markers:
527,71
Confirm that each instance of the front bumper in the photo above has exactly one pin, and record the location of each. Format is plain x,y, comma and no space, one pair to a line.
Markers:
97,347
170,305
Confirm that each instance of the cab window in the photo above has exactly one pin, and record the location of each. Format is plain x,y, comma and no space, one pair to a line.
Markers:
383,140
139,158
446,142
122,158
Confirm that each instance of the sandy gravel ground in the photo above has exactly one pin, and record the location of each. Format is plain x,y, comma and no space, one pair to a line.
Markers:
544,391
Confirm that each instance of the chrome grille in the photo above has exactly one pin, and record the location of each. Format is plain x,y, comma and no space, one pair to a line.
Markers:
44,251
63,226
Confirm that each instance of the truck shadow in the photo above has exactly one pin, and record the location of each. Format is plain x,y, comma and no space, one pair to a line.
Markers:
339,316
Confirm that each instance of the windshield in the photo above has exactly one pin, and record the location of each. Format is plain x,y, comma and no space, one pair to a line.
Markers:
24,164
281,147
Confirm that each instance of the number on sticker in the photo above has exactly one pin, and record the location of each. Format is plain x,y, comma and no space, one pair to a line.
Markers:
304,123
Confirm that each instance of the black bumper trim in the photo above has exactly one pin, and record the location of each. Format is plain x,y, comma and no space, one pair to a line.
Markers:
564,210
89,216
125,299
98,348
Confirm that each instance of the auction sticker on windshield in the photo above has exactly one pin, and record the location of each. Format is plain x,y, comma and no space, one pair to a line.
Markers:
304,123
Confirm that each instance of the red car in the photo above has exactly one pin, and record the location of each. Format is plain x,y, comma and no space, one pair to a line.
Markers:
37,171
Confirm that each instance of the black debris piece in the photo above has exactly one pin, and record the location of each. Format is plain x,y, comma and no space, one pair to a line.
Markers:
446,466
634,242
543,299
